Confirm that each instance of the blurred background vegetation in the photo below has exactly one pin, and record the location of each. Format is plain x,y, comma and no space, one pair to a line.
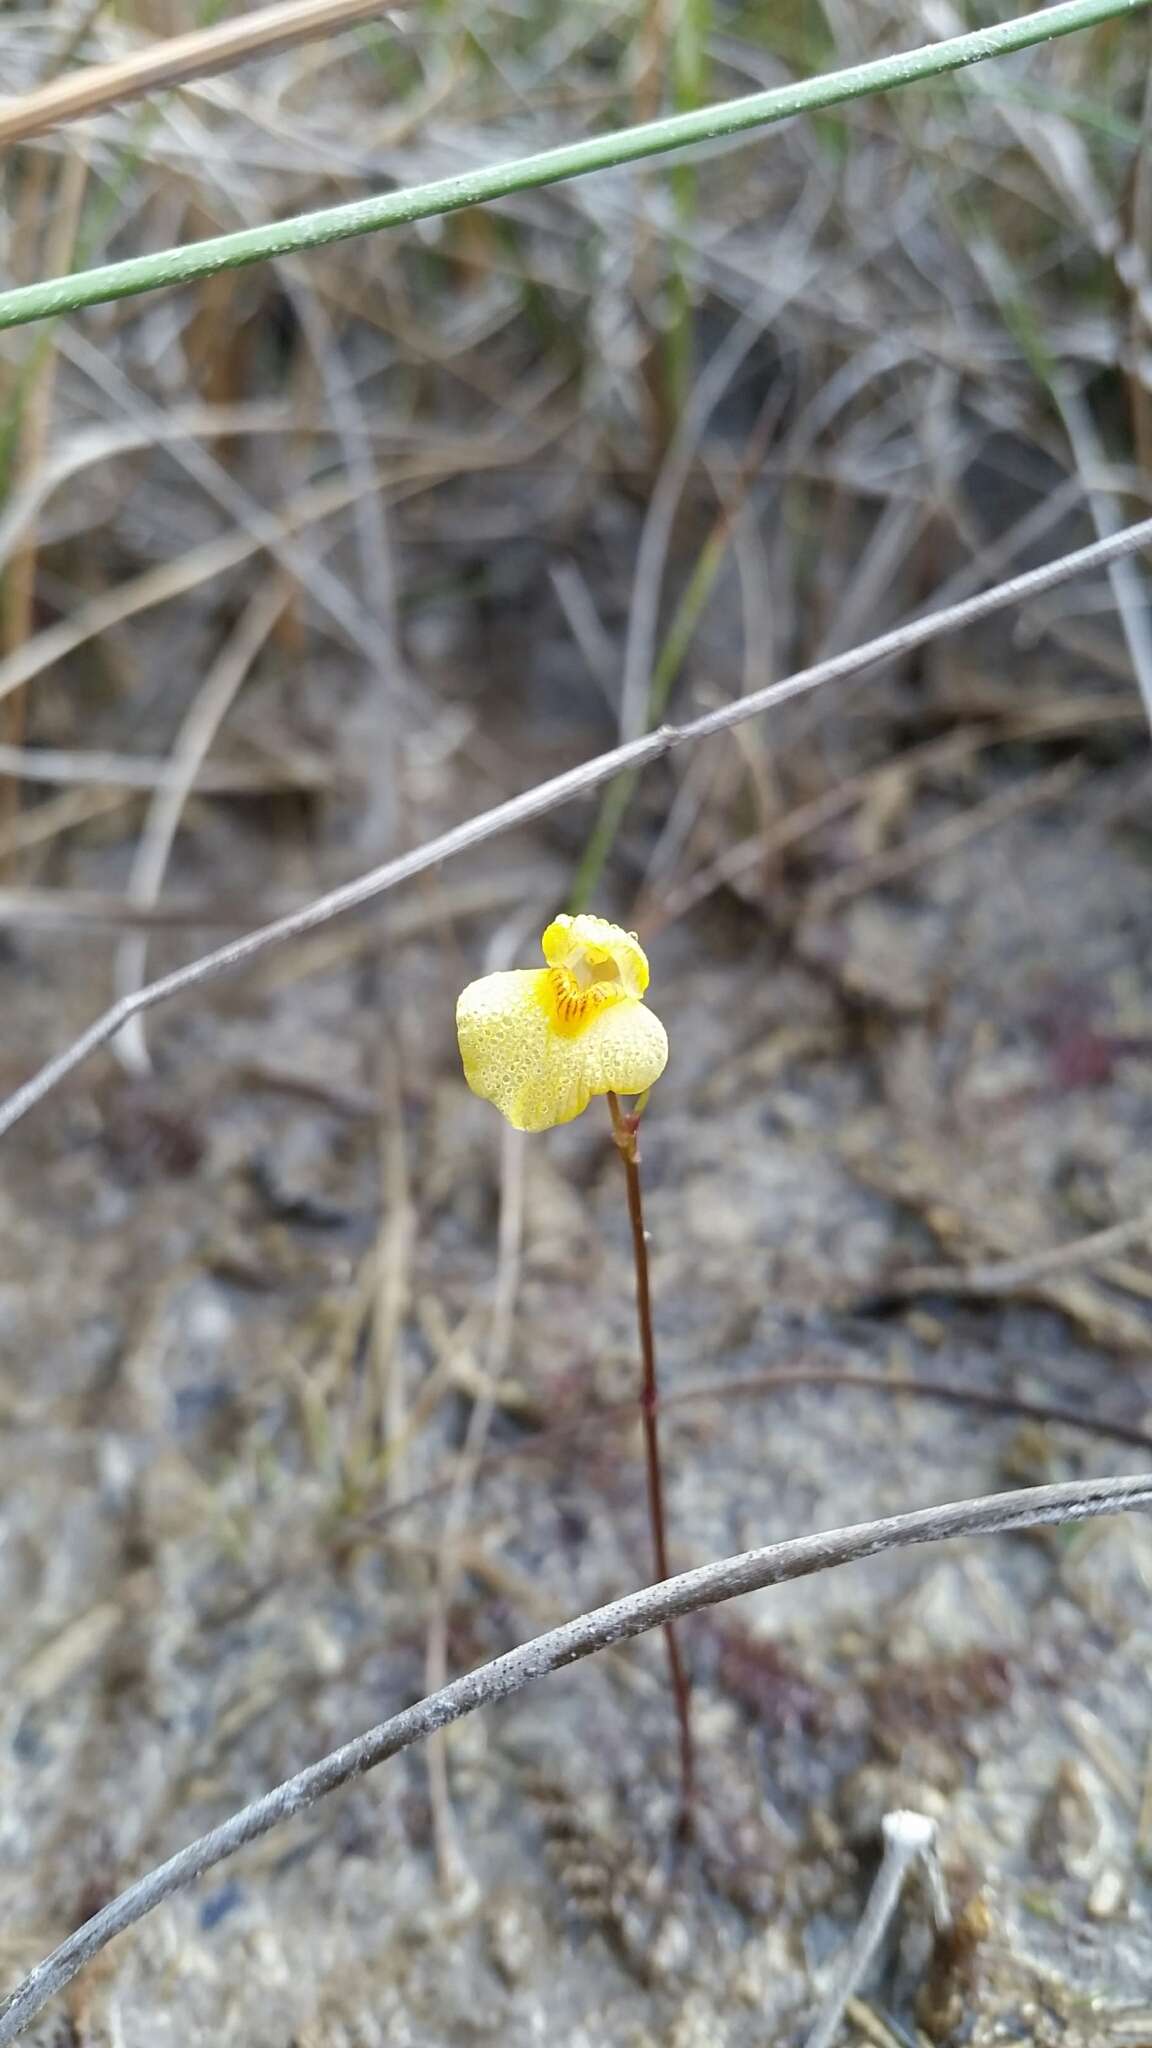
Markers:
307,562
926,320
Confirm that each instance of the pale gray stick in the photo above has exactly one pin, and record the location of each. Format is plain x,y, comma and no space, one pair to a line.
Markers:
296,553
579,781
659,518
1006,1276
198,729
89,769
994,1514
1128,585
908,1837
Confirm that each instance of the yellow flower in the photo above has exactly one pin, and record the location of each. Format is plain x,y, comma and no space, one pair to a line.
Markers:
539,1042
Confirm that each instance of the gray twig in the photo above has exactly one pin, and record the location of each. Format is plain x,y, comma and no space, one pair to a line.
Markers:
1008,1276
561,789
652,1607
1128,585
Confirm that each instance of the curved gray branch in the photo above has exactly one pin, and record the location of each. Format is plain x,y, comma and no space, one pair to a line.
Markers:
561,789
652,1607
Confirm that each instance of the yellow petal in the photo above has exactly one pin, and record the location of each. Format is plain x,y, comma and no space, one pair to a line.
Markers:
537,1077
505,1039
585,943
624,1049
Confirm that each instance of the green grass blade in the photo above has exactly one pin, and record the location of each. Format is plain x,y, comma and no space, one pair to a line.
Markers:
618,795
574,160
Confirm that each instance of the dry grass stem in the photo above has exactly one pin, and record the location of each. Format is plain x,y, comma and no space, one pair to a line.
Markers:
757,1386
202,53
202,722
1008,1276
535,803
450,1859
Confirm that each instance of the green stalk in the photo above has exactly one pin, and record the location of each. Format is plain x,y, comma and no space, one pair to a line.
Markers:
618,795
690,78
598,153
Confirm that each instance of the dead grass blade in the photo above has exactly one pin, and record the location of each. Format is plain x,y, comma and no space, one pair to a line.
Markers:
177,59
210,707
1009,1276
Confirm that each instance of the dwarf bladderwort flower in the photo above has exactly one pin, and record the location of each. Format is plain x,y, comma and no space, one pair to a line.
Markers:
540,1042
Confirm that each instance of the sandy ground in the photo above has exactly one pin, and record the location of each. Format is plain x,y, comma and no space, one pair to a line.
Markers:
222,1286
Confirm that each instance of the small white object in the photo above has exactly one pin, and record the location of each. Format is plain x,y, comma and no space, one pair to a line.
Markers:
908,1838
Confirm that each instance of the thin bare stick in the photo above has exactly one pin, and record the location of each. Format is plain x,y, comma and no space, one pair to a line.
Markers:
83,909
546,796
947,837
1008,1276
45,822
294,550
167,580
624,1130
1128,585
995,1514
179,58
750,1386
388,1427
450,1860
958,745
85,447
207,713
659,518
140,771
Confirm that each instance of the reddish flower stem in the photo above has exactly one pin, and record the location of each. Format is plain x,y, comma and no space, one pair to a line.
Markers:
624,1130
